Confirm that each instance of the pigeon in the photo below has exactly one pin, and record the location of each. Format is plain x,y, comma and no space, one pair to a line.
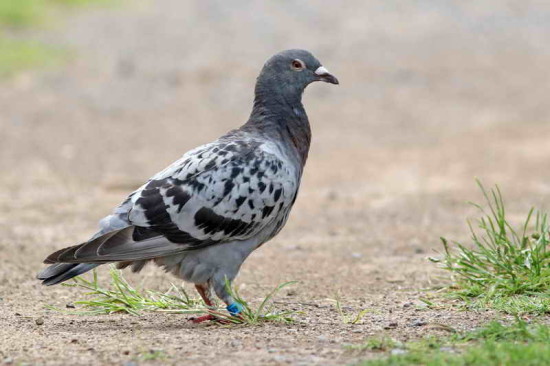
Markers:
203,215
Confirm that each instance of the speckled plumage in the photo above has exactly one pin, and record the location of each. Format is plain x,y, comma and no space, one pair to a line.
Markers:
203,215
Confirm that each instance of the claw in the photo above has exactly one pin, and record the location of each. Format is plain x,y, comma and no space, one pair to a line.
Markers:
203,318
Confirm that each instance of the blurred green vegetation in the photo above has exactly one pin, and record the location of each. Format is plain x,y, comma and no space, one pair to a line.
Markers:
21,13
18,53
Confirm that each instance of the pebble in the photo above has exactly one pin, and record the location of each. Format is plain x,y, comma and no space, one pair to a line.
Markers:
322,338
280,358
447,349
391,325
39,321
418,323
235,344
398,351
7,361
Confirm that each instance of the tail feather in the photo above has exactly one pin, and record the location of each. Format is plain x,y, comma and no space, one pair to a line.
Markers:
61,272
115,246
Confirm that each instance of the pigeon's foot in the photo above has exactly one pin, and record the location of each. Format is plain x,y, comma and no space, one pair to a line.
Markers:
203,318
213,318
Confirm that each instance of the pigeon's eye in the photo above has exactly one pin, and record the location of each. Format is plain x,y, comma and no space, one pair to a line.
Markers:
297,65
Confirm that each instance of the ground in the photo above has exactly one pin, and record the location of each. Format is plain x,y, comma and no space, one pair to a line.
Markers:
431,97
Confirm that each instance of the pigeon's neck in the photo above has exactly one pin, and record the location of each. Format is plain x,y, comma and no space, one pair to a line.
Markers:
282,118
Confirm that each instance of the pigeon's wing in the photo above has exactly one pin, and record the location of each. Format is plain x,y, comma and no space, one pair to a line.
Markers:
220,192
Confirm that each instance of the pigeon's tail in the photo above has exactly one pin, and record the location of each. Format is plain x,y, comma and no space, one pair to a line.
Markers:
126,245
61,272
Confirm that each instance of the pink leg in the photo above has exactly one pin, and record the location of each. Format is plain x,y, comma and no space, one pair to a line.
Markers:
204,291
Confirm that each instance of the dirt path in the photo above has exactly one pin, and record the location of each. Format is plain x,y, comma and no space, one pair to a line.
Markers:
430,98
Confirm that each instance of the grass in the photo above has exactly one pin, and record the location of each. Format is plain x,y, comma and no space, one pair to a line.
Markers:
265,312
348,317
121,297
32,13
18,54
21,13
376,344
494,344
152,355
505,268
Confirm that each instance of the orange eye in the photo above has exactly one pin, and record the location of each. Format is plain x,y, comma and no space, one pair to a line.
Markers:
297,65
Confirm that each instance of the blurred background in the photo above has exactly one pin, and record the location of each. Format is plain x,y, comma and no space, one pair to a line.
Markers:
98,95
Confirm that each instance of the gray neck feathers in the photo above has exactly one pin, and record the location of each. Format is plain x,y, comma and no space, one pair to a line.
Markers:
278,113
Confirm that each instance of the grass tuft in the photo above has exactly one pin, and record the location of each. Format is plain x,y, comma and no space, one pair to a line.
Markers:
348,317
121,297
265,312
152,355
376,344
492,345
506,269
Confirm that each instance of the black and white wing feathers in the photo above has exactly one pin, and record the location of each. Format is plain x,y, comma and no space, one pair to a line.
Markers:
220,192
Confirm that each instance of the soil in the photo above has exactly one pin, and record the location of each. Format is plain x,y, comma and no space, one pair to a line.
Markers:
431,97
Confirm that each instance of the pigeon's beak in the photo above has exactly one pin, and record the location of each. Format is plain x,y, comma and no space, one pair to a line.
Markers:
326,76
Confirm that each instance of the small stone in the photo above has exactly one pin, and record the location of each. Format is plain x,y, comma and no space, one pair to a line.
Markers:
332,195
398,351
7,361
356,255
39,321
74,340
70,306
235,344
391,325
322,338
418,323
125,352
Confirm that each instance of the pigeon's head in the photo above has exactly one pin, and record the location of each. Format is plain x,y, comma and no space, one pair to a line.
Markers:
289,72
